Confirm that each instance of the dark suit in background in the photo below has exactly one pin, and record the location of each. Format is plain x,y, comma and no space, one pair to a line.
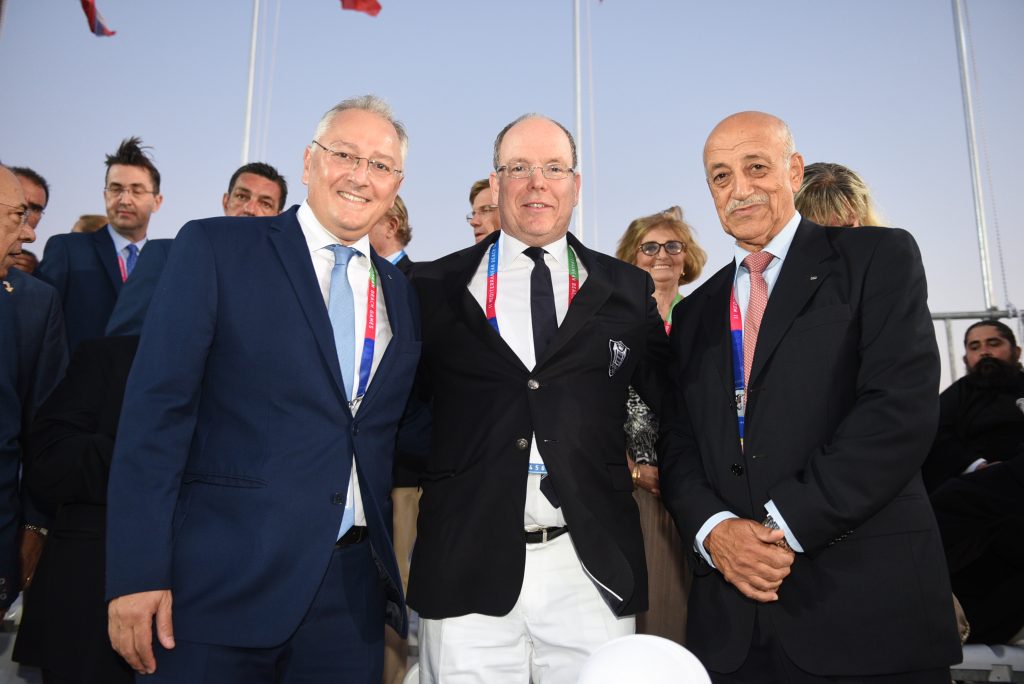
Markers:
64,627
33,364
83,268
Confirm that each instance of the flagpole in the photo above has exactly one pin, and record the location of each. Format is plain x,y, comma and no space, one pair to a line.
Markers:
972,152
252,79
579,112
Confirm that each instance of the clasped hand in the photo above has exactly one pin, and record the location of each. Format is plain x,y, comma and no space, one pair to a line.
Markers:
749,557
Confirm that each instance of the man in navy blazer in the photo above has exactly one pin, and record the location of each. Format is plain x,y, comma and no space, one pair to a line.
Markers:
90,270
252,469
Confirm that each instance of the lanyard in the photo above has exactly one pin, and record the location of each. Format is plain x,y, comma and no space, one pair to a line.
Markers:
492,282
736,335
668,321
370,337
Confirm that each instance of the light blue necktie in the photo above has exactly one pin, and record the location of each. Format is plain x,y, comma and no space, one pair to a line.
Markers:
343,319
133,256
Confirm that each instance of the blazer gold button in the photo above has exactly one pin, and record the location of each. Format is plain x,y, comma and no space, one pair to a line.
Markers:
532,384
522,444
736,469
337,498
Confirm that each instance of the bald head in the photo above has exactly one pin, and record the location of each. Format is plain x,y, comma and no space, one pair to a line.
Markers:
753,171
13,229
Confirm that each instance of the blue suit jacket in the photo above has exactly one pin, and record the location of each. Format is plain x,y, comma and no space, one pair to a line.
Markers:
231,465
32,362
83,267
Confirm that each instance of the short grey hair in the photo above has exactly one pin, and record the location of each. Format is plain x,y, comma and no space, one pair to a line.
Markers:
367,103
524,117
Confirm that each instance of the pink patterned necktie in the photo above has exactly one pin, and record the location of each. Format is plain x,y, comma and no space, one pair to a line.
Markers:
755,263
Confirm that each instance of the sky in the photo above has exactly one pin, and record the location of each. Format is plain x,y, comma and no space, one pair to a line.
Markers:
872,84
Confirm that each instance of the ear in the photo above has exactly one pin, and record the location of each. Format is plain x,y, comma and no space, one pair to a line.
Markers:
392,226
578,181
157,200
306,159
494,187
796,171
224,203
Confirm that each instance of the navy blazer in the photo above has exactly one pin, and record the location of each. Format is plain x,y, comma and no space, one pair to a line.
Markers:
32,363
229,475
83,267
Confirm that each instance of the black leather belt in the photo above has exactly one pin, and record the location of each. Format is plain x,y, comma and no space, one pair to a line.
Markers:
354,536
544,535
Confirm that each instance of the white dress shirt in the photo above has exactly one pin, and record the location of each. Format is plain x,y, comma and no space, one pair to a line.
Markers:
779,248
319,240
515,322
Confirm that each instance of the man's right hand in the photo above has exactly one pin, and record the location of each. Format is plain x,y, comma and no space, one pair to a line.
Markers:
130,625
748,556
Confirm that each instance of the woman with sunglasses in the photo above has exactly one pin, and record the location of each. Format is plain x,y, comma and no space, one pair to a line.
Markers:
663,245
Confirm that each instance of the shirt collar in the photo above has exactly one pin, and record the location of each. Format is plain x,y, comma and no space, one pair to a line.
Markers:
512,248
318,237
778,246
120,241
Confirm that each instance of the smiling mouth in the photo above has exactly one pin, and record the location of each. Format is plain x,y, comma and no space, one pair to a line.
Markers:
352,198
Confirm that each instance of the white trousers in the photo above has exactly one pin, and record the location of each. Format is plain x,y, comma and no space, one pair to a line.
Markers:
558,621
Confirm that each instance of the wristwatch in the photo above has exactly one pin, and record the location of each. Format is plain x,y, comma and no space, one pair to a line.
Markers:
770,523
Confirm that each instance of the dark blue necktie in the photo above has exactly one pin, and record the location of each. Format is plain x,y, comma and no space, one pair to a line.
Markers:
542,302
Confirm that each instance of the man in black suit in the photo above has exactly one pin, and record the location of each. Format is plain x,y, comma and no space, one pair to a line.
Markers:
91,270
803,406
529,553
975,475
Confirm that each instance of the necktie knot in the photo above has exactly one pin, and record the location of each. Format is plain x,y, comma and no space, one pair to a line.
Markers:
756,262
535,253
342,254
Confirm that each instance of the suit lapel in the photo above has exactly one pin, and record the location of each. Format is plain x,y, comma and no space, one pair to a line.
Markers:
587,302
468,309
107,254
287,238
715,325
802,273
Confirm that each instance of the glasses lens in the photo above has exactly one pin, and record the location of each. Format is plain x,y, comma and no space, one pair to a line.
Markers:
674,247
650,248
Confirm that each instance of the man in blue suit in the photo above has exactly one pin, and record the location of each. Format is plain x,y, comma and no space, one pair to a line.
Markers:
252,469
90,270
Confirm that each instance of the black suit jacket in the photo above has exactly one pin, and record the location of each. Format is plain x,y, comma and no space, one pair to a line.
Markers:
64,626
83,267
470,551
840,414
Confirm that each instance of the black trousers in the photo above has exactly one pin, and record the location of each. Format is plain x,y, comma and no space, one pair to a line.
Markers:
767,663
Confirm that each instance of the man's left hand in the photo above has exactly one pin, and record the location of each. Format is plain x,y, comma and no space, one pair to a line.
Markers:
30,550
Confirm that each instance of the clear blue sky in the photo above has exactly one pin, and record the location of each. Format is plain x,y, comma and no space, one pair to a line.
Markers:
872,84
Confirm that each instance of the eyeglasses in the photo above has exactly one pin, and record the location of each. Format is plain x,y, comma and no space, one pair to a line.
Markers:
22,212
672,247
521,170
350,162
481,212
114,191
